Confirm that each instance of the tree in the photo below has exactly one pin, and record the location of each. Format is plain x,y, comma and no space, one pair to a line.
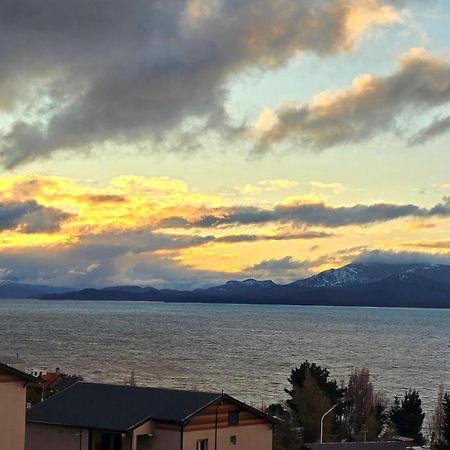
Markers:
312,394
407,416
381,415
364,413
360,402
446,421
321,375
436,423
285,435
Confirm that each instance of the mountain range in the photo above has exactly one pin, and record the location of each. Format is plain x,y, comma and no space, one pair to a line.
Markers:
356,284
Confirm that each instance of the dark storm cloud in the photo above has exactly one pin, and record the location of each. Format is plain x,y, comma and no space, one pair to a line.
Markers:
308,214
119,71
237,238
30,217
311,214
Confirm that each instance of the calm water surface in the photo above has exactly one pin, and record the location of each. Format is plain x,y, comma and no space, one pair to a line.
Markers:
247,350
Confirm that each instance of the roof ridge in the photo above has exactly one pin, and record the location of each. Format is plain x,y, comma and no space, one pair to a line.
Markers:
149,387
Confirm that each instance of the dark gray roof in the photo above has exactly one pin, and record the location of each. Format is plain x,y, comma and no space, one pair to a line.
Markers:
118,408
380,445
4,368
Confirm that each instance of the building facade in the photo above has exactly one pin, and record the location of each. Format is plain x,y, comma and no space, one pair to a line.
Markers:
13,383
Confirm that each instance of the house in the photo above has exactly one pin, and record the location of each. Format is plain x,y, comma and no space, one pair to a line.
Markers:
13,383
52,382
49,384
92,416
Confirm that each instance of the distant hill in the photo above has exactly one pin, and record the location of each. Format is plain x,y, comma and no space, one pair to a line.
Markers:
11,290
357,284
120,294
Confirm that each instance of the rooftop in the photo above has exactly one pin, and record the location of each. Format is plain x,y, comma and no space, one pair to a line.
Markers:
379,445
118,408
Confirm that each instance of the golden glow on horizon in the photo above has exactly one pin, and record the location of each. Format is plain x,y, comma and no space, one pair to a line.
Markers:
130,204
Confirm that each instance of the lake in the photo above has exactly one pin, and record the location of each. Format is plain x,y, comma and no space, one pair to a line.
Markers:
246,350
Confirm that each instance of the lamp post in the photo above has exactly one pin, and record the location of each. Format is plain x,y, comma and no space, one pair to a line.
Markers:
321,422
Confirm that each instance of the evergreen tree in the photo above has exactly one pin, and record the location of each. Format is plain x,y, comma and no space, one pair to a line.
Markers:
321,376
312,394
407,416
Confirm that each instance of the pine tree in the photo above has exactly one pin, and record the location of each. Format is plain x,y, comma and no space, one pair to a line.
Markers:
312,394
407,416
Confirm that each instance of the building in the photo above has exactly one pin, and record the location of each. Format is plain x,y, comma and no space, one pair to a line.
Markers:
53,382
13,384
91,416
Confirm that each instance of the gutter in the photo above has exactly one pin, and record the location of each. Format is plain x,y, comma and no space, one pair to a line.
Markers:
181,436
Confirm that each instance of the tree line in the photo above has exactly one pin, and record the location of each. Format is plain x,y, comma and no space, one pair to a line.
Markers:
359,413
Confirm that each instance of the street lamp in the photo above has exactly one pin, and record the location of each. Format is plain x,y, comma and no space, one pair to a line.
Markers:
321,422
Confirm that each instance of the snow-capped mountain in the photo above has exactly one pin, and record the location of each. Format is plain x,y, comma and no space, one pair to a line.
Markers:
357,284
362,273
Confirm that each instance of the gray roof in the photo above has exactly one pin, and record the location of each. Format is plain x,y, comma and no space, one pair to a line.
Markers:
380,445
118,408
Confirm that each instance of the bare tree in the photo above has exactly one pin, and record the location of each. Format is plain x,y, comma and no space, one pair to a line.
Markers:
360,400
437,420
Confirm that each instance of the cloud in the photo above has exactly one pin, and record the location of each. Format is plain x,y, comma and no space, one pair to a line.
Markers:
286,263
30,217
126,72
373,104
237,238
311,214
432,131
393,257
276,185
435,245
160,231
337,188
282,270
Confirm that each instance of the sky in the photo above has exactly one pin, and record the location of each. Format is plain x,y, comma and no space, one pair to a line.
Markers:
185,143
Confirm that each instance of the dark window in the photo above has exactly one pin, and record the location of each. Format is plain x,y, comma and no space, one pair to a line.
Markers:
117,442
202,444
233,418
233,440
105,441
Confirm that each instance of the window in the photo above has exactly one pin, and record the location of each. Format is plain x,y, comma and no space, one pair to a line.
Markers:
233,418
233,440
202,444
